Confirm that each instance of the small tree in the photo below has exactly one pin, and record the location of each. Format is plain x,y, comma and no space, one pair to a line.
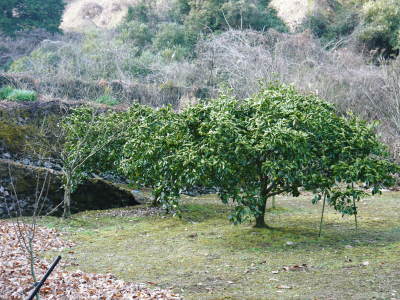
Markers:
88,134
219,15
278,141
76,140
19,15
142,143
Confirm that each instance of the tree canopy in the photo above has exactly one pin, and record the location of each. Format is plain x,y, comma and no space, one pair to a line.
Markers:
278,141
19,15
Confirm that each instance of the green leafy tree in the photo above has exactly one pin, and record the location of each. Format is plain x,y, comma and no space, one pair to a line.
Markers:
280,141
170,35
334,25
153,153
141,12
256,15
135,32
87,134
277,142
19,15
174,41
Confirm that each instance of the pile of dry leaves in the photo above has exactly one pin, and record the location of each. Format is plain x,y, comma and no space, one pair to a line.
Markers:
16,279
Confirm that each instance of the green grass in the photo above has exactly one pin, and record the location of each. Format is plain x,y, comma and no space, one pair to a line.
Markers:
9,93
5,92
107,100
203,256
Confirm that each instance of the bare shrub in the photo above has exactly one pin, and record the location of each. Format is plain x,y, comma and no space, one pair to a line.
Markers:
12,48
93,56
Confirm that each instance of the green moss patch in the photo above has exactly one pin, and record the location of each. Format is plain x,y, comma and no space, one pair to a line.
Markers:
107,100
203,256
12,136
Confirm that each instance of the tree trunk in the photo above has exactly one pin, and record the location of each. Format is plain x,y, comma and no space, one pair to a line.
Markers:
156,202
260,219
67,201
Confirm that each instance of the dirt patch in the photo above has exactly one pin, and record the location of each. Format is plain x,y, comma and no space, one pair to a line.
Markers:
292,11
91,10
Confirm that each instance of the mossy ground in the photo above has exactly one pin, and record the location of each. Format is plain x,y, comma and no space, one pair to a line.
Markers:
203,256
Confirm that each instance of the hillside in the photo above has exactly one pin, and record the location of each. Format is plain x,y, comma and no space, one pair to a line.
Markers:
81,14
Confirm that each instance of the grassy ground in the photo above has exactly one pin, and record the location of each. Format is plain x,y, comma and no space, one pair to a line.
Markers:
203,256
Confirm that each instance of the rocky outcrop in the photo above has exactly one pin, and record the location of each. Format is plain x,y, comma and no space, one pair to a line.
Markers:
26,182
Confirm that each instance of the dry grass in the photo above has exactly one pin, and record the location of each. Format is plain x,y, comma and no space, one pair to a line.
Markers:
202,256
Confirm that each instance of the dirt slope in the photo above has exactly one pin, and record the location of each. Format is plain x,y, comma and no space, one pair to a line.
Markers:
83,14
292,11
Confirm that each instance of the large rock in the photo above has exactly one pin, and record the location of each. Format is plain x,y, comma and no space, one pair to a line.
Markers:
27,182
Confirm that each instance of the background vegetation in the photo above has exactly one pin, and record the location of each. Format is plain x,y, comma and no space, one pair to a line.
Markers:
23,15
176,55
179,52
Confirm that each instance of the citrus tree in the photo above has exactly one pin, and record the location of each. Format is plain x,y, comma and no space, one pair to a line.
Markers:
277,142
155,153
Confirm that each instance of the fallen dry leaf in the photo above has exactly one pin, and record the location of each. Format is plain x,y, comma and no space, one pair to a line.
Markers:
283,287
302,267
16,281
